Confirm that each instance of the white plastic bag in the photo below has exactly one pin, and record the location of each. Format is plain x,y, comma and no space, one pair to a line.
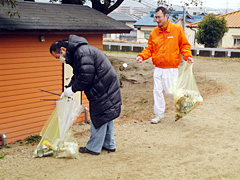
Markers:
68,147
57,139
68,110
185,91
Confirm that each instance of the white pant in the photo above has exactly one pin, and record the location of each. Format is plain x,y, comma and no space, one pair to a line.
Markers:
162,81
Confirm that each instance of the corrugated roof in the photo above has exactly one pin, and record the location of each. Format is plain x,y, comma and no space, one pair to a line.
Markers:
233,20
149,19
122,17
59,18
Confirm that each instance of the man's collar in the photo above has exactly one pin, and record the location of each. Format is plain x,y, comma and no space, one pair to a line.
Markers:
166,27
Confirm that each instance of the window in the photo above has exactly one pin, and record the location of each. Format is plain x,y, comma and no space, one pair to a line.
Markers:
146,35
236,41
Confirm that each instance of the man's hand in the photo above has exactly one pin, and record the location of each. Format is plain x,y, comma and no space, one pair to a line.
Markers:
139,59
190,60
68,92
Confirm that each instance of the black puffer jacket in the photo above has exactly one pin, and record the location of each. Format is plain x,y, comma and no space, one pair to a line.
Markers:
94,74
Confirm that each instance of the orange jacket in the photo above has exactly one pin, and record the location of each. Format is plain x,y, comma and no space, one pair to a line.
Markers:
166,45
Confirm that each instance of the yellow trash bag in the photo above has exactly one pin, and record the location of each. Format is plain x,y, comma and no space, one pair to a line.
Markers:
57,139
185,92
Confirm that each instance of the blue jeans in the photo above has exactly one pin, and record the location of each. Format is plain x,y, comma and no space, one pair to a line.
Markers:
101,137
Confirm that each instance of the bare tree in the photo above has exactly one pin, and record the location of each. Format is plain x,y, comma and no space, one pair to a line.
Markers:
184,3
104,6
12,5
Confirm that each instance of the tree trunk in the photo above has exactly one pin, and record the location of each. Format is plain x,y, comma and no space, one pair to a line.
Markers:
208,45
79,2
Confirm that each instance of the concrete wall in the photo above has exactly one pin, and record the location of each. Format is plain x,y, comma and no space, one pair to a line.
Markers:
196,51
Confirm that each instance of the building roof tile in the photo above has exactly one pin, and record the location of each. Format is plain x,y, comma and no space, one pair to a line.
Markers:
122,17
59,18
233,20
149,19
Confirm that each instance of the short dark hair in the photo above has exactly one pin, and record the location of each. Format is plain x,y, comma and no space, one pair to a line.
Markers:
57,45
163,9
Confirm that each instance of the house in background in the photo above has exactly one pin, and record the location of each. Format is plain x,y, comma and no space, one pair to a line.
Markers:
138,8
27,65
147,23
128,20
232,37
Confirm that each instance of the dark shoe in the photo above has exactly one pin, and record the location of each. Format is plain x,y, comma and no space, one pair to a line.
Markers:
85,150
106,149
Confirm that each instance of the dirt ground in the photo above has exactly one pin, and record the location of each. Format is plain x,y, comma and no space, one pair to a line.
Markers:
204,145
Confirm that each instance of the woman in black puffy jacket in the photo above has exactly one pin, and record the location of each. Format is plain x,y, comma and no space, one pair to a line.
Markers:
93,74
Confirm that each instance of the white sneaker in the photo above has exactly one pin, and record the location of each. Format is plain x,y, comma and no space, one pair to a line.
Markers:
156,120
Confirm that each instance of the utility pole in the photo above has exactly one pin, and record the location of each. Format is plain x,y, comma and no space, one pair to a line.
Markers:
227,7
184,18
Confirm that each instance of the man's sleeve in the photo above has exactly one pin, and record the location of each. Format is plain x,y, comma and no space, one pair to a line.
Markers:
147,52
85,73
185,46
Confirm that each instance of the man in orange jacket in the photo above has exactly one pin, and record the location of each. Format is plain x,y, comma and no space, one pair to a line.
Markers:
167,42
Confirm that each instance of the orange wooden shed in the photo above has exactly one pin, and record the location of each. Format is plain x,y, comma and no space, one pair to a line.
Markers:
27,66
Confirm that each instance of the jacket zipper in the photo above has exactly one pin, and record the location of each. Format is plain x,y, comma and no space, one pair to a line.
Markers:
163,47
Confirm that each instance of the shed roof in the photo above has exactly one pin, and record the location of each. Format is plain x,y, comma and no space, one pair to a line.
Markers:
233,20
149,19
59,18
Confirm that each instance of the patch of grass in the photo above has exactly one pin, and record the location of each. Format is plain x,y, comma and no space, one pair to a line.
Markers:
21,143
1,147
232,93
135,67
120,52
1,157
126,113
142,101
33,139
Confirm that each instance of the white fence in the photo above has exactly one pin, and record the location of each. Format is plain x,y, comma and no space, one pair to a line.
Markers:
196,51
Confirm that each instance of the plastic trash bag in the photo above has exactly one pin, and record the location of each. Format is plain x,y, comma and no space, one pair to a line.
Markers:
57,138
69,147
185,92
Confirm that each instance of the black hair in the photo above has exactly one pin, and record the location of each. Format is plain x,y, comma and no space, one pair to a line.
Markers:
57,45
163,9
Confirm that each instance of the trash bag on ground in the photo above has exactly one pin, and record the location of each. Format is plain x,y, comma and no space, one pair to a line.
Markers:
57,138
185,92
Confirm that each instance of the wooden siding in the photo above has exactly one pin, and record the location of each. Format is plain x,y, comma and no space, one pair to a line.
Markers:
25,67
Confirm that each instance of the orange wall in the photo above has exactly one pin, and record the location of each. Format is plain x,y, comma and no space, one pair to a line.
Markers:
25,67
